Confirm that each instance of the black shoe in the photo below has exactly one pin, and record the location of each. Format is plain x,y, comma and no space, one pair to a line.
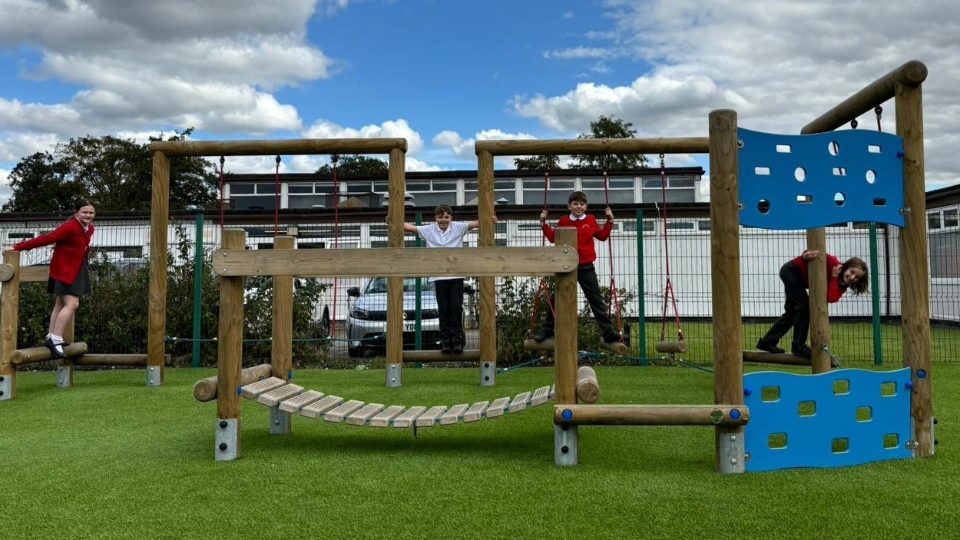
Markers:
543,336
446,348
802,351
611,338
764,346
458,349
56,347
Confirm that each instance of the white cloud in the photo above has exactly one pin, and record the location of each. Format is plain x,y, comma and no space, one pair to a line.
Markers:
779,67
324,129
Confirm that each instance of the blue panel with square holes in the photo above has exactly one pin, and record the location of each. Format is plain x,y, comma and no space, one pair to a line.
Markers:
810,181
835,419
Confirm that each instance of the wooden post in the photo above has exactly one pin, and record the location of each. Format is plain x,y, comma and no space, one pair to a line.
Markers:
588,389
725,279
9,321
282,342
157,309
65,365
397,214
230,357
282,346
914,266
566,445
488,306
819,310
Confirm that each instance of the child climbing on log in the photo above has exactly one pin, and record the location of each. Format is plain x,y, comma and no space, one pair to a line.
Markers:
852,274
69,278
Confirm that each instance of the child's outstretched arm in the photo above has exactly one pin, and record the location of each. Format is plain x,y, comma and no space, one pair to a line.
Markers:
476,223
548,231
408,227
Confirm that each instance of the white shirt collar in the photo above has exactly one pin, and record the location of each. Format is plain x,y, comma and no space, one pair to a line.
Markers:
575,218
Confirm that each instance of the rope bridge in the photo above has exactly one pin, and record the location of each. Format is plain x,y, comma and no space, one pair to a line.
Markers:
293,399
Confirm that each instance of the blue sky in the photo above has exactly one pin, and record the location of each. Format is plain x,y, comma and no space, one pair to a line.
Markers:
445,73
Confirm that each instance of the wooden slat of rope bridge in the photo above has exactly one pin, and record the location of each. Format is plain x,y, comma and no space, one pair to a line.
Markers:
291,398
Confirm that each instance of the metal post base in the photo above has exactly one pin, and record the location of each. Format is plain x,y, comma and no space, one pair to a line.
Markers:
731,452
394,379
565,445
6,387
153,376
64,376
227,439
488,373
279,422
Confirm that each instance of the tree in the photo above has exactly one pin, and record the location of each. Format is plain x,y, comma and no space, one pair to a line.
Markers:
356,165
41,183
537,163
609,128
116,174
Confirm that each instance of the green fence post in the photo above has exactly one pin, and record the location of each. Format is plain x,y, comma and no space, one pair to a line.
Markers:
641,293
875,297
197,288
418,325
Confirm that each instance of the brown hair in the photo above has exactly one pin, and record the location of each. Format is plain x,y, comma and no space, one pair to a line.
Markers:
80,203
862,285
443,209
577,196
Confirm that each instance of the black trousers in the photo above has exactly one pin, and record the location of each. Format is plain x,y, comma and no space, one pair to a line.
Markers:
587,278
796,309
450,305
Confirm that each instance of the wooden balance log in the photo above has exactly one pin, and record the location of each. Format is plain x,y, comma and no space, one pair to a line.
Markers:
672,347
42,354
468,355
588,388
783,358
616,347
206,389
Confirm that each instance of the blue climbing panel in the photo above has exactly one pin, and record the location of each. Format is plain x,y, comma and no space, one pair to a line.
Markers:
810,181
835,419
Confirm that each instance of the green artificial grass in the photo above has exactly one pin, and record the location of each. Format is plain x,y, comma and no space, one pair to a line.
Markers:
111,458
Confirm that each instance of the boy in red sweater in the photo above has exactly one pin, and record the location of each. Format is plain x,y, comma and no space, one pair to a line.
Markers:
851,274
587,230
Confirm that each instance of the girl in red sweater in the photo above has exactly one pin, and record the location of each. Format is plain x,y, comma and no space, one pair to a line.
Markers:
587,230
849,275
69,278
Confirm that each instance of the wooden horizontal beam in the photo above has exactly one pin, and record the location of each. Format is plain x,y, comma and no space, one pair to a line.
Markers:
468,355
206,389
113,360
34,273
279,147
562,147
651,415
785,359
41,354
912,74
397,262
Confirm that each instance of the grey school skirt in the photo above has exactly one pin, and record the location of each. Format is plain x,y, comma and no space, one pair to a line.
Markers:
80,286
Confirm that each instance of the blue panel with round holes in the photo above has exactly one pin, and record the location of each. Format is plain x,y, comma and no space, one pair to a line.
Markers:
810,181
840,418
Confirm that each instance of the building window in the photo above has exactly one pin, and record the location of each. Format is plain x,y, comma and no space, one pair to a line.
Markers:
619,190
557,193
945,255
951,217
933,221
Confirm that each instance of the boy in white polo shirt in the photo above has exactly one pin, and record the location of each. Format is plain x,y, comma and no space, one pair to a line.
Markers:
446,233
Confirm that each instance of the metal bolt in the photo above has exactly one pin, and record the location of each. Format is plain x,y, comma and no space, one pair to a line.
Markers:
733,461
733,438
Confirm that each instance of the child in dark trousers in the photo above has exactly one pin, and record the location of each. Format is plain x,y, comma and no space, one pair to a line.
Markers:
587,230
851,274
446,233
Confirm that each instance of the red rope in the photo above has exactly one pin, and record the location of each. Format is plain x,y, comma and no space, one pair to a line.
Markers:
614,294
879,111
222,160
668,293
